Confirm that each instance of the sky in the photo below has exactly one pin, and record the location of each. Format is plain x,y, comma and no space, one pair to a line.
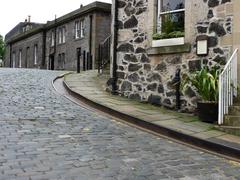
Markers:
14,11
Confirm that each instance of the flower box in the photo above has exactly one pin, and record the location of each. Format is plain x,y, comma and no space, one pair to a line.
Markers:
168,42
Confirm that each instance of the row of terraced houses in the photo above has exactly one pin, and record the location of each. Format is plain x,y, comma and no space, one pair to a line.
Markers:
56,44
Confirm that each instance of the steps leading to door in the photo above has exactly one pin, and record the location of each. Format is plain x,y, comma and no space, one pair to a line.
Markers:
232,120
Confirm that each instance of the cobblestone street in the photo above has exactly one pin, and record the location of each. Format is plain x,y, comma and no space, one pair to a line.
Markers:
45,136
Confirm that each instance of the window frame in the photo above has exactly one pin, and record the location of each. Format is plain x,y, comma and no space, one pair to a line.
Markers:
35,54
60,35
52,38
159,14
77,28
13,60
63,34
82,28
20,58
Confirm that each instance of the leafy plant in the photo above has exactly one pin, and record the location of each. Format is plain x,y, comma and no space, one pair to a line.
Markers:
174,34
205,81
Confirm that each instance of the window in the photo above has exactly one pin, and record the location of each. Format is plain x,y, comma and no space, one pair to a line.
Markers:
171,17
52,38
82,30
63,35
20,58
14,60
35,54
77,28
60,35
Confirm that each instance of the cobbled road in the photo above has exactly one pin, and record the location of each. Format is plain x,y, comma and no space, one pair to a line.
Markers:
45,136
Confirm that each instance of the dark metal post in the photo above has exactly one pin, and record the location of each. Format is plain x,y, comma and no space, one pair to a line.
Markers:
90,63
115,43
78,59
84,60
177,80
87,61
99,58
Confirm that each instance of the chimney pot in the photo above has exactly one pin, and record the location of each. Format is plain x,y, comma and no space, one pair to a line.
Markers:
29,18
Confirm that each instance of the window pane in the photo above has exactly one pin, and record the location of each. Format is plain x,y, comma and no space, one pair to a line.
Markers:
169,5
172,22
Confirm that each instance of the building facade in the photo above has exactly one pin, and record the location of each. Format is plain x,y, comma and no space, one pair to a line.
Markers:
59,44
157,39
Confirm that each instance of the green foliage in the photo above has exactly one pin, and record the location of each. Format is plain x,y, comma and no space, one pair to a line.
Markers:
174,34
2,47
205,81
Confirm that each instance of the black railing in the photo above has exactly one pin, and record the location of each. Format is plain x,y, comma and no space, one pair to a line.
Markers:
84,60
104,54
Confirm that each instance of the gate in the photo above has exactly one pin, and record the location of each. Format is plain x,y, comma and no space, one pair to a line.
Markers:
104,54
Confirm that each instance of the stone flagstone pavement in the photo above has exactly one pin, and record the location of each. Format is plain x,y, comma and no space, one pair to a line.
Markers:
89,85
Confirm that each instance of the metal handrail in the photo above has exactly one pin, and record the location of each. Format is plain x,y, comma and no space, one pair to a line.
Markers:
227,86
104,54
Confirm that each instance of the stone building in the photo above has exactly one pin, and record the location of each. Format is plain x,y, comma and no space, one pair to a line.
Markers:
59,43
146,67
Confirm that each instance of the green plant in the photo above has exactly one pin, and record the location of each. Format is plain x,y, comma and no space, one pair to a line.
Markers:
205,81
174,34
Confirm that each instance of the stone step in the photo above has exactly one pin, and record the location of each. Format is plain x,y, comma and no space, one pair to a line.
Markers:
230,130
231,120
235,110
237,101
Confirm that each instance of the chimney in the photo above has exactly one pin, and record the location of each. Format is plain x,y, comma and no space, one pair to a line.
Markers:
29,18
81,6
25,20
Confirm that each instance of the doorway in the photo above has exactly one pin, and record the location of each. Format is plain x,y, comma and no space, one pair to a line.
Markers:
51,62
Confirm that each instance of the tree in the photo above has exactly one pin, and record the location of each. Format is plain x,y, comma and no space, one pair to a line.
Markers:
2,47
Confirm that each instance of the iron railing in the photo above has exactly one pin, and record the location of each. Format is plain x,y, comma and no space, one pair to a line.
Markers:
104,54
227,87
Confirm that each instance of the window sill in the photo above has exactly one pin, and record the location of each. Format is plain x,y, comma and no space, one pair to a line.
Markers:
79,38
168,42
184,48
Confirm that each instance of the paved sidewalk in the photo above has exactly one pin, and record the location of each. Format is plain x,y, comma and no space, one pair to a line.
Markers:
89,85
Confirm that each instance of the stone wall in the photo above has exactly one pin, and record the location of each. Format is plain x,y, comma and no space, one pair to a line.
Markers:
26,46
100,24
149,76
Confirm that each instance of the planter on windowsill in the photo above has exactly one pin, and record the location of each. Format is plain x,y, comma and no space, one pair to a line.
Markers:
168,42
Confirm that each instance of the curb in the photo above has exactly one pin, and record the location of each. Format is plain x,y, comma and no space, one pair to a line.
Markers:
216,148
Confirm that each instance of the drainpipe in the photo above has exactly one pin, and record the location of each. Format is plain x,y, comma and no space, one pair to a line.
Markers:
55,35
44,49
115,43
90,39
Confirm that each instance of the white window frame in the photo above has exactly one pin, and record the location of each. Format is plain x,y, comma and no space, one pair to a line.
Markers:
52,38
35,54
60,35
82,28
14,60
63,35
20,58
77,28
159,20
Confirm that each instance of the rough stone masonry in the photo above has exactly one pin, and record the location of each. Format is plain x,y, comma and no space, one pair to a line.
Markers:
149,78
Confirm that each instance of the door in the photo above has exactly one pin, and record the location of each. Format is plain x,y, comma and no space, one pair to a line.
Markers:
51,62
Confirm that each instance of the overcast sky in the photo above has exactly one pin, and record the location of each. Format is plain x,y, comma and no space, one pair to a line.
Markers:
14,11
